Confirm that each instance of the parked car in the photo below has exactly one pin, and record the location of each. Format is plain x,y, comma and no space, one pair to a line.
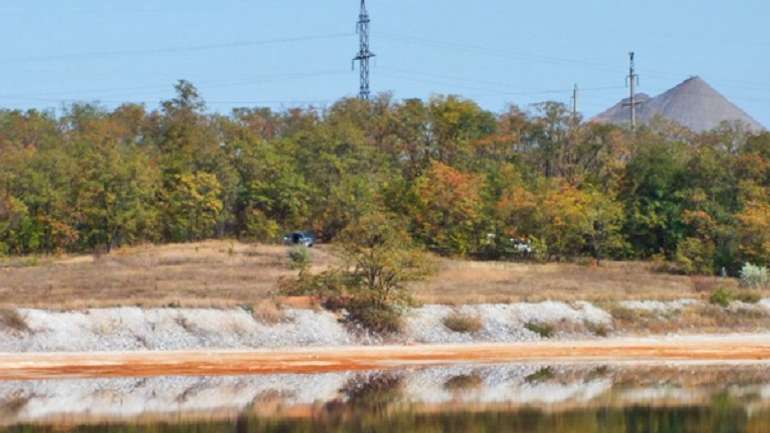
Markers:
306,239
510,247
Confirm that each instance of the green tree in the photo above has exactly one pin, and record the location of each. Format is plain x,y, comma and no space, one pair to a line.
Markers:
455,125
651,190
114,196
378,261
192,208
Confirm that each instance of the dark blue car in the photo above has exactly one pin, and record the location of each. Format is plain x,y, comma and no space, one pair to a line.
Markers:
306,239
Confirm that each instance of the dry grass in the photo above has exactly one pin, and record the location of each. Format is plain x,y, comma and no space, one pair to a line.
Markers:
464,282
702,318
208,274
223,274
463,323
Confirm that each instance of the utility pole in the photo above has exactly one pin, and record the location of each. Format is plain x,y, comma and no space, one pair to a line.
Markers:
364,54
575,104
632,81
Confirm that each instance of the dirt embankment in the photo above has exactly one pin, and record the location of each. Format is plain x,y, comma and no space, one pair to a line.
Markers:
675,349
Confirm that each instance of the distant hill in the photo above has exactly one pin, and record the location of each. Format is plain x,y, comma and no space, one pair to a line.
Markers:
693,103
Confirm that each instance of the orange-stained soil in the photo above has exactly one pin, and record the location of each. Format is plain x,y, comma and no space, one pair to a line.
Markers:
316,360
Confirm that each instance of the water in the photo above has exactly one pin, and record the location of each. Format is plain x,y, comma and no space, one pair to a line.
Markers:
467,398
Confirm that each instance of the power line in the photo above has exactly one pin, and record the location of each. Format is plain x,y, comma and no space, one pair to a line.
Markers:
497,89
529,56
516,55
255,79
172,50
145,101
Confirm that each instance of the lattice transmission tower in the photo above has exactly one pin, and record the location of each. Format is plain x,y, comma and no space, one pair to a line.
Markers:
632,81
364,54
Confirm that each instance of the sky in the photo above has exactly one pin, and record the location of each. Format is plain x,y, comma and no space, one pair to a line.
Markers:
285,53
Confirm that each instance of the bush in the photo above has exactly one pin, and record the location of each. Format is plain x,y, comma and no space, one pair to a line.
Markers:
12,319
598,329
266,312
378,318
373,392
542,375
463,382
755,277
623,313
722,297
299,258
463,323
542,329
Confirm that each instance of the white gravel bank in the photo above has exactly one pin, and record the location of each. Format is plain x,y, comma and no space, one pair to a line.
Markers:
502,323
134,329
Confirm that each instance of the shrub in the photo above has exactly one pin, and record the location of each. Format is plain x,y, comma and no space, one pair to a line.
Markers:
754,277
373,392
463,323
722,297
299,258
463,382
598,329
623,313
12,319
267,312
542,375
542,329
376,317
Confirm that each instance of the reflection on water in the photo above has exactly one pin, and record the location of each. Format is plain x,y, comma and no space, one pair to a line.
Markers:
466,398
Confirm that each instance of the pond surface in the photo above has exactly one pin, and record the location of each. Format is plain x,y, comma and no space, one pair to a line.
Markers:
524,398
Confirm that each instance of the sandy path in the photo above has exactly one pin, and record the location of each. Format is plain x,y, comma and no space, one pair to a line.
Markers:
736,348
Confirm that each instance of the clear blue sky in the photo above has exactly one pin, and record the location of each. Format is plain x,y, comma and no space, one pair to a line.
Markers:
286,52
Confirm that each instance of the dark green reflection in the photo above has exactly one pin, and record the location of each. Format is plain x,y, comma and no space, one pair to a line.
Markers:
720,417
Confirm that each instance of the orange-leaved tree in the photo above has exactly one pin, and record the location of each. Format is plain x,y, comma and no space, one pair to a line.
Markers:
448,209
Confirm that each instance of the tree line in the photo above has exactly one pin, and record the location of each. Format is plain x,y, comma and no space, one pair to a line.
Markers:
463,181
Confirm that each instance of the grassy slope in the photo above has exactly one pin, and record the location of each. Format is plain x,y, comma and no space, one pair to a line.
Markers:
225,273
